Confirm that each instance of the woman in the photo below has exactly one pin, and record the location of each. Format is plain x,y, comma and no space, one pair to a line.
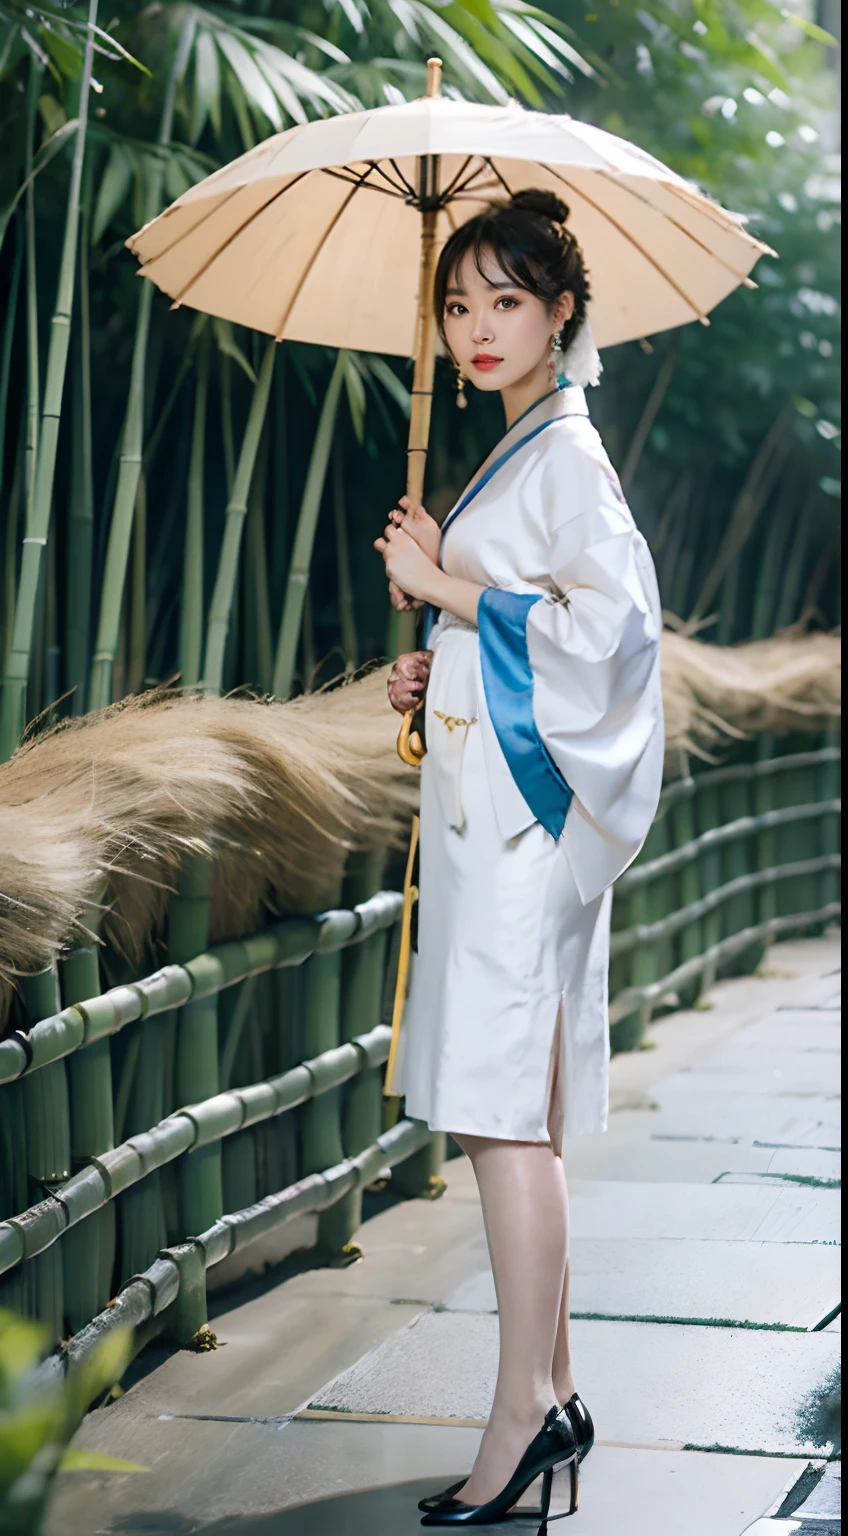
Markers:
543,770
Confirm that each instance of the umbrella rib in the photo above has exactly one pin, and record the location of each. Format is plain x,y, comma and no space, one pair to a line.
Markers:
369,186
307,266
178,298
718,215
166,249
638,246
741,277
446,193
401,178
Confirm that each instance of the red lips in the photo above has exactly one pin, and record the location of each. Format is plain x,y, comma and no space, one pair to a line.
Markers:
485,360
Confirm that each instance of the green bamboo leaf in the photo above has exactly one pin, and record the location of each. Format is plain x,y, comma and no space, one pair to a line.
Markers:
207,86
48,150
114,189
119,48
355,390
379,369
176,180
250,77
811,30
227,344
21,1343
100,1368
67,56
94,1461
280,86
23,1432
481,10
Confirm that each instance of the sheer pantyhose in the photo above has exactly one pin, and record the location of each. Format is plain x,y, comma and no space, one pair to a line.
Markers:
525,1210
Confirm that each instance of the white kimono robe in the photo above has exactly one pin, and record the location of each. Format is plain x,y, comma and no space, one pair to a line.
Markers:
543,771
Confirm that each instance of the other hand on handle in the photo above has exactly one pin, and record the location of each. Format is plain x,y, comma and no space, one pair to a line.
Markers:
408,680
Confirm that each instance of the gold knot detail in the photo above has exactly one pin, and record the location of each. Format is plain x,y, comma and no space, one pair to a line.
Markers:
453,721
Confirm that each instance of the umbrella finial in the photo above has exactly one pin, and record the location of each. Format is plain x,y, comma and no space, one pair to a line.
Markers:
434,77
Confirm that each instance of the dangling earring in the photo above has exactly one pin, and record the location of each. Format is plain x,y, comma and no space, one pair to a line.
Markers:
460,390
557,363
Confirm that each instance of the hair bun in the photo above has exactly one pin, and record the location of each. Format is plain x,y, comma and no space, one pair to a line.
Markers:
536,200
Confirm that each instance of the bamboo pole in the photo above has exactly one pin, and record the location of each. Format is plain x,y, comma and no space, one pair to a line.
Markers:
196,1067
80,551
403,626
191,608
347,606
8,338
48,1142
12,716
120,527
223,595
89,1248
304,538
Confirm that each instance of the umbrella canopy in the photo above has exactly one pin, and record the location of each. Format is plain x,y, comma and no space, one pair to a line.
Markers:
316,234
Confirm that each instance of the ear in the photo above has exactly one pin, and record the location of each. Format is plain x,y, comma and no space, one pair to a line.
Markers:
563,309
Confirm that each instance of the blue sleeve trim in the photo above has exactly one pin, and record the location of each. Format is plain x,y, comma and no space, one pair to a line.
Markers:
508,682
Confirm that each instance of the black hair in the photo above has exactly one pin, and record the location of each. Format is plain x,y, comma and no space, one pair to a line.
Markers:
529,240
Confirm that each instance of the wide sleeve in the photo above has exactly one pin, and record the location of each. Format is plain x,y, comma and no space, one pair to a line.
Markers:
571,680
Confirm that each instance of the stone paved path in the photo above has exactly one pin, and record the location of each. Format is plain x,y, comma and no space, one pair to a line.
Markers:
704,1250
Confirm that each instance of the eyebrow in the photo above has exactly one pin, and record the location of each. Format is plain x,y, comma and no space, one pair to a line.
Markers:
462,292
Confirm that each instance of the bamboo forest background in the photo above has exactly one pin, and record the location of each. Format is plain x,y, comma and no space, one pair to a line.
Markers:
132,438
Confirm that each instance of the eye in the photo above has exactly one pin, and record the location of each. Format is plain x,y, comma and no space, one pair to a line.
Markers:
455,308
507,303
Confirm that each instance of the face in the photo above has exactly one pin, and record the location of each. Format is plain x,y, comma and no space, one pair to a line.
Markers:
499,334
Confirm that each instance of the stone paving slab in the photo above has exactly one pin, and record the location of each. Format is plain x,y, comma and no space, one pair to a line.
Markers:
274,1351
626,1156
797,1074
645,1383
758,1119
794,1214
255,1480
735,1282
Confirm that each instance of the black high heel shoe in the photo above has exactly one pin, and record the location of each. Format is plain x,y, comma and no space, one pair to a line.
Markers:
552,1448
584,1437
581,1423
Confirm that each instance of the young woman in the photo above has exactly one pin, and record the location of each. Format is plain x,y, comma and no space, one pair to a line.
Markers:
544,762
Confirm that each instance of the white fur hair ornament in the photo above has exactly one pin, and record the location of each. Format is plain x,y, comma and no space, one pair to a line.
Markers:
581,360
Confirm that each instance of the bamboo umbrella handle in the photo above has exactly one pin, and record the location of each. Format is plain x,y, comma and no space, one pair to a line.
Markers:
425,363
410,747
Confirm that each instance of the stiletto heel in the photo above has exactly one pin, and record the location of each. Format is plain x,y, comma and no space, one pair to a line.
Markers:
553,1447
581,1423
584,1436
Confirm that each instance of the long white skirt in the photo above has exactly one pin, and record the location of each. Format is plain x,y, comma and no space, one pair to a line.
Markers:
505,1030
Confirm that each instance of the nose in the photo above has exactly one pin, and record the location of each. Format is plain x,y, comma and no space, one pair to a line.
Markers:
483,332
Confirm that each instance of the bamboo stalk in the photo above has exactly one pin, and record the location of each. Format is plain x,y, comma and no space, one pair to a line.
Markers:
81,513
223,595
120,527
649,414
765,466
12,717
137,630
33,406
347,606
258,645
8,338
196,1067
191,608
304,538
89,1248
48,1143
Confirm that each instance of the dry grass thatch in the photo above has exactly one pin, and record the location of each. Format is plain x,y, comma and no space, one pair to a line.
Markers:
109,804
789,682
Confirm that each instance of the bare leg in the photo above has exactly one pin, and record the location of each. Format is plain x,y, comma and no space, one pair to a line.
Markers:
524,1208
564,1384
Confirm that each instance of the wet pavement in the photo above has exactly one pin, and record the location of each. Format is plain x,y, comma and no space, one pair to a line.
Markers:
705,1235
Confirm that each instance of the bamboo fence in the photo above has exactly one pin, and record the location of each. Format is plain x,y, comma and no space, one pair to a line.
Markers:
151,1130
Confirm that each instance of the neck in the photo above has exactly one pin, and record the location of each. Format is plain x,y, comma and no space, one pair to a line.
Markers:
518,397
